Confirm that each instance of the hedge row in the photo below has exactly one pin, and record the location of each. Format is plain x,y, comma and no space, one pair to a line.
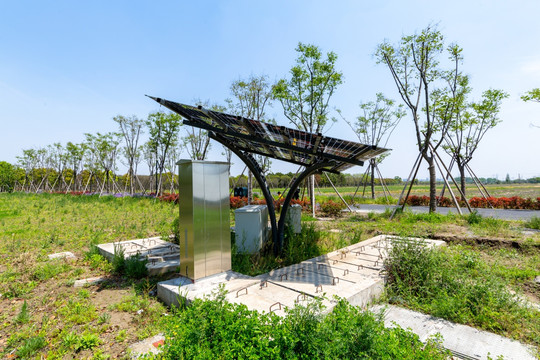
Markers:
514,202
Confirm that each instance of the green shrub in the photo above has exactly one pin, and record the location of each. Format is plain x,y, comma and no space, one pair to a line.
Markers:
533,223
331,208
458,287
216,329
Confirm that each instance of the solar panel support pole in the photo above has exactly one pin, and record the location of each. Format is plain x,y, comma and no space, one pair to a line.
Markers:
281,224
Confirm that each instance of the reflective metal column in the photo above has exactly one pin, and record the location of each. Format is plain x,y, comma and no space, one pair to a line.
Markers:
205,241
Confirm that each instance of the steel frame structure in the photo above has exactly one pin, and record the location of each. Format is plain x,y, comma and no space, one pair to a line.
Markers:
317,153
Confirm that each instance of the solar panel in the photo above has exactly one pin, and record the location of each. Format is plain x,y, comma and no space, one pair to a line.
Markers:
278,142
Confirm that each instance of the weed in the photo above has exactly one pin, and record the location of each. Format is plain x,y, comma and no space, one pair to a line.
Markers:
474,218
24,315
135,267
121,336
533,223
104,318
457,286
49,270
87,341
31,346
70,340
119,260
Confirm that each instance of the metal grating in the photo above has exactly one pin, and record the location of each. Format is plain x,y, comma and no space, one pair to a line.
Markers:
278,142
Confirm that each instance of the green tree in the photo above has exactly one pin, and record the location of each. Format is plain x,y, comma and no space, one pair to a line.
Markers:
470,124
104,148
374,126
251,97
429,91
130,129
7,177
163,129
75,155
305,97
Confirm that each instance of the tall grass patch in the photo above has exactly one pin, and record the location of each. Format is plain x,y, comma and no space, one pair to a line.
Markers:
457,286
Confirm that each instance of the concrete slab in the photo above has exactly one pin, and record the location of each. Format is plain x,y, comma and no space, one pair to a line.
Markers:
62,255
460,339
162,256
147,346
89,281
171,290
352,273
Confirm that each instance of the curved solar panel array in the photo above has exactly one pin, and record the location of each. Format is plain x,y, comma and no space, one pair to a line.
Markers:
278,142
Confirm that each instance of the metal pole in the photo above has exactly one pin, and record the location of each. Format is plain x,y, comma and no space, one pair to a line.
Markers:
337,192
449,188
451,177
415,166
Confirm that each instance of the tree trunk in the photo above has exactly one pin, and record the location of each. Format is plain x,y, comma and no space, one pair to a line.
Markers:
462,174
432,184
372,164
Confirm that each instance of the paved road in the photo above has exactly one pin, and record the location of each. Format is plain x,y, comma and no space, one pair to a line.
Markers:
494,213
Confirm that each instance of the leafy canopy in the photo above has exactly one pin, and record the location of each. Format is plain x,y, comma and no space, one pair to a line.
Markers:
305,96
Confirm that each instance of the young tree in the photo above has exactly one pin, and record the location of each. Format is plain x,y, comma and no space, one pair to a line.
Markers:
7,177
130,129
250,98
376,123
75,155
196,141
104,147
427,90
163,129
470,124
305,97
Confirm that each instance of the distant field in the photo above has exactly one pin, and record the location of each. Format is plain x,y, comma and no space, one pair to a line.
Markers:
496,190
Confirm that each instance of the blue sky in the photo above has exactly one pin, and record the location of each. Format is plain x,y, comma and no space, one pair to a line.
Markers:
68,67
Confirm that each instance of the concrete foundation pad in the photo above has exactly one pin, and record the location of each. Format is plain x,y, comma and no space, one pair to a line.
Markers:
460,339
352,273
89,281
62,255
147,346
171,290
162,256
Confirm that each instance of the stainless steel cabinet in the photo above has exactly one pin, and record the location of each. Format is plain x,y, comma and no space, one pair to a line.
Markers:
205,241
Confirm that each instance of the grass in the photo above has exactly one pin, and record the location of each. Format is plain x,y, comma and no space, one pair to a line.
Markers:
217,329
458,285
39,302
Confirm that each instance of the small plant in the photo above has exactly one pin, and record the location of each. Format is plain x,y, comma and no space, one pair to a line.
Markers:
87,341
135,267
31,346
24,315
121,336
119,260
533,223
70,340
104,318
474,218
